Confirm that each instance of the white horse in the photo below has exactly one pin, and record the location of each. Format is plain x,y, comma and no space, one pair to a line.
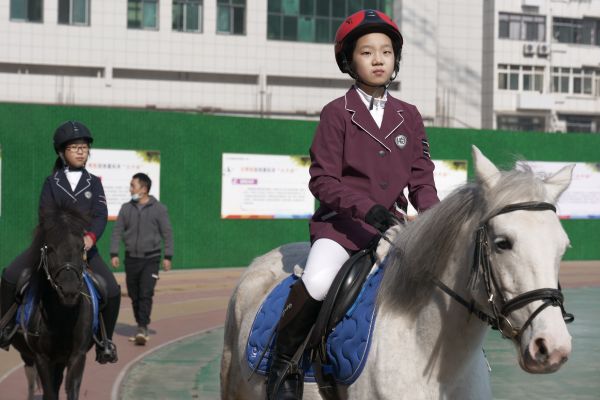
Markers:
426,344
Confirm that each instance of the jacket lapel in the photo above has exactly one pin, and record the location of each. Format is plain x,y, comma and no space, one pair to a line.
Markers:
84,182
361,117
392,117
63,183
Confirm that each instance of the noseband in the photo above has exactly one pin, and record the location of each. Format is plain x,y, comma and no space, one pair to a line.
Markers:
66,267
501,308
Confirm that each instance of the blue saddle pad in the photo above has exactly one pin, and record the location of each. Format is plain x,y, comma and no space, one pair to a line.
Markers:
27,309
347,346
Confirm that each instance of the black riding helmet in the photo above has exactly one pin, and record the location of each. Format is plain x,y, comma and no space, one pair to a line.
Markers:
70,131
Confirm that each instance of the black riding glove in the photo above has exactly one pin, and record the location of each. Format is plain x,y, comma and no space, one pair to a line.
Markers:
380,218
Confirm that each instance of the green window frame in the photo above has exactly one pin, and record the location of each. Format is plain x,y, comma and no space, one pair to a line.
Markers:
314,21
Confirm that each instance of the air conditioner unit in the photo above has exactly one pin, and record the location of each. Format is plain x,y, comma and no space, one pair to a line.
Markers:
543,50
528,49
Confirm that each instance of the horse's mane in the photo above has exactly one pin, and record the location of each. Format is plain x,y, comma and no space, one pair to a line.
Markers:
58,221
427,245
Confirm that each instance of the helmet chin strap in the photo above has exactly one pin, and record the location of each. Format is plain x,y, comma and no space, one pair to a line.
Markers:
384,86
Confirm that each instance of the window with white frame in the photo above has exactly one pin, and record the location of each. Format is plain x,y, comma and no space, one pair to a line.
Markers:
508,77
577,31
187,15
533,78
583,79
26,10
560,79
522,27
142,14
520,77
231,16
74,12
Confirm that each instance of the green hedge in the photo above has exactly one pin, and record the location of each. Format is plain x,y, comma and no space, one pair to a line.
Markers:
191,146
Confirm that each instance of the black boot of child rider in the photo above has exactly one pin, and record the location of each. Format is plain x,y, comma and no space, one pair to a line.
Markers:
286,379
7,299
110,313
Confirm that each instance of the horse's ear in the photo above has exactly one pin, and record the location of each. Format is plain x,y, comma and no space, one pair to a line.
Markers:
557,183
487,173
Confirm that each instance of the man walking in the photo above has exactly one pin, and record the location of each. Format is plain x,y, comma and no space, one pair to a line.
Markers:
143,224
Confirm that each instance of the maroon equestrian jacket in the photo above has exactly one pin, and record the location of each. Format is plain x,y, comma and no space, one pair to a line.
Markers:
356,165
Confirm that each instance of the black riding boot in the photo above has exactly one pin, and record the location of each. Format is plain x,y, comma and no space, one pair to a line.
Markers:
286,380
110,313
7,299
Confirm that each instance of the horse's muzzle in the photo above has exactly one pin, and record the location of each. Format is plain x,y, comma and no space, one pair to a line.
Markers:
541,356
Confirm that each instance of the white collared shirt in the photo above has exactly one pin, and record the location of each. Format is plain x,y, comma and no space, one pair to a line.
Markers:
378,105
73,177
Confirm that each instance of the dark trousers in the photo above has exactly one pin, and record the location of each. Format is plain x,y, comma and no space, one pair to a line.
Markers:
141,275
30,258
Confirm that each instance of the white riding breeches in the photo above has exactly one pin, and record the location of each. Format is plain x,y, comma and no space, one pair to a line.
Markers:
325,259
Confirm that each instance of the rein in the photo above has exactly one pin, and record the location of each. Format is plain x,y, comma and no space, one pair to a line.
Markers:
482,267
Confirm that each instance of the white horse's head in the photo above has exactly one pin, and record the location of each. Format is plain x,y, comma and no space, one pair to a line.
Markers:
525,249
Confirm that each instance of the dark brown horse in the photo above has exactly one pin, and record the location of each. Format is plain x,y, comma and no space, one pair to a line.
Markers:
59,332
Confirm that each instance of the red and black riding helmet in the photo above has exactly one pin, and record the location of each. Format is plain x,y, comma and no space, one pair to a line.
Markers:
359,24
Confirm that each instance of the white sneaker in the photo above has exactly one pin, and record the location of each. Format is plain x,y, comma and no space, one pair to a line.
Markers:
141,338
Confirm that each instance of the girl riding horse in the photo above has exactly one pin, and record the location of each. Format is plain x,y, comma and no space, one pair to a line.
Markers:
71,185
368,147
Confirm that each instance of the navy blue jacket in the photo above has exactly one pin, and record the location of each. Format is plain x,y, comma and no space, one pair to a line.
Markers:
88,198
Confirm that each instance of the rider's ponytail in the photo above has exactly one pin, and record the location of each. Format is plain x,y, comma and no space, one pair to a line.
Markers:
58,164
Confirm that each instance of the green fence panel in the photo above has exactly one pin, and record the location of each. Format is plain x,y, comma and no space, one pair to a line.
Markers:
191,146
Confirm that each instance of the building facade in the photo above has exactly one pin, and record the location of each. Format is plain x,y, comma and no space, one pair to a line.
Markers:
545,58
513,64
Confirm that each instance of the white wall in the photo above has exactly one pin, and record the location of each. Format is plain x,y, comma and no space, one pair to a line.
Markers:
442,71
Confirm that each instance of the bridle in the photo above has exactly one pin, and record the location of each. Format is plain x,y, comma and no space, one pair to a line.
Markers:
66,267
502,308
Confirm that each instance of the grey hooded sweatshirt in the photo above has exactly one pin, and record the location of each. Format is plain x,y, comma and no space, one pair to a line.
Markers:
143,228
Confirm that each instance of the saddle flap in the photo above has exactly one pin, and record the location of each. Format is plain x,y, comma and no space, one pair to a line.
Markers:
100,285
23,283
343,293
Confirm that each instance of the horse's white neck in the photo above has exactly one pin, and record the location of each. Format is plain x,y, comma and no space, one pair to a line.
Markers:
449,340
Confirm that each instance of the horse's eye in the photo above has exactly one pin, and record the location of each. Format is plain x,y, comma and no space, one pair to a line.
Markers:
503,243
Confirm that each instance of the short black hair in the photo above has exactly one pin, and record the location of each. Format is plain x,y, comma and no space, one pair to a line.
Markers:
144,180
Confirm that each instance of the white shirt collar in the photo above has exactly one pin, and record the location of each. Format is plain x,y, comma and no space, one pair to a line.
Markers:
378,102
73,177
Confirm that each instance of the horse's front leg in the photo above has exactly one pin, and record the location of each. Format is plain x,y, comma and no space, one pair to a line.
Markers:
75,369
47,373
32,381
